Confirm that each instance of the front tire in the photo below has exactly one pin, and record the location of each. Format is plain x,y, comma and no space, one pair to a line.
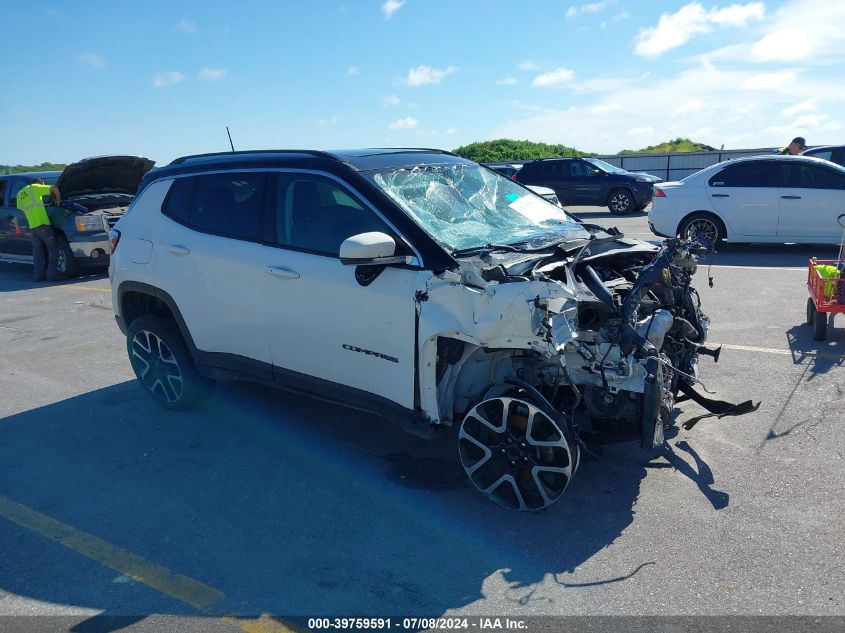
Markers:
515,454
704,227
67,266
620,202
163,365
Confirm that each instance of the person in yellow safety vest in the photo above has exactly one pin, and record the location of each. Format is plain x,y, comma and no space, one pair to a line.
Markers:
45,248
797,146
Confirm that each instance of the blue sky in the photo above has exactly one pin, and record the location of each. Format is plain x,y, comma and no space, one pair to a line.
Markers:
163,79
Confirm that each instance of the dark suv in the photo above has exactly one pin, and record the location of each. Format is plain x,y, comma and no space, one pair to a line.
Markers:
590,181
833,153
95,193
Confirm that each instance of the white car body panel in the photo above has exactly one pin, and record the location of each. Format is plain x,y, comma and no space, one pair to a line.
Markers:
323,323
758,214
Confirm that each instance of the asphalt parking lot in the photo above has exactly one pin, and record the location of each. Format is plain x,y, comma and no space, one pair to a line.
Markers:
263,502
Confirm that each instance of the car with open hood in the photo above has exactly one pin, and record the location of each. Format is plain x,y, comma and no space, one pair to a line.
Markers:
416,285
95,193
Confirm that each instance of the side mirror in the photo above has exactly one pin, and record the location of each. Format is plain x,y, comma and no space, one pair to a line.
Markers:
370,249
596,172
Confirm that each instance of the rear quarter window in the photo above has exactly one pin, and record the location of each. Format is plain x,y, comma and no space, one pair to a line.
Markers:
177,203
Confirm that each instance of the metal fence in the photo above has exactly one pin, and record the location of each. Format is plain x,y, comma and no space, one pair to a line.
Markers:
677,165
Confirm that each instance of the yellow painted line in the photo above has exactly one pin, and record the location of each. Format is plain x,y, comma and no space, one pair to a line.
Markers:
784,352
264,624
184,589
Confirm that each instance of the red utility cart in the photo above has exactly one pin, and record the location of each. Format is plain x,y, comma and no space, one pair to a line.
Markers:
827,294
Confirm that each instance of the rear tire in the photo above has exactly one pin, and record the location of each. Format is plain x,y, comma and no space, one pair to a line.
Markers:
819,326
703,227
620,202
163,365
811,311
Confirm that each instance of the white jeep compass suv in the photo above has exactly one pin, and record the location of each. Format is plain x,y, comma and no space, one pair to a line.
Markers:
416,285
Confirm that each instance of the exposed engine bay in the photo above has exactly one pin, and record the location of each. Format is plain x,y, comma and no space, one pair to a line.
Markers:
554,350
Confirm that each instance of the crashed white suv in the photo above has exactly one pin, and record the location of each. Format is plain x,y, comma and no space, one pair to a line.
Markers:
416,285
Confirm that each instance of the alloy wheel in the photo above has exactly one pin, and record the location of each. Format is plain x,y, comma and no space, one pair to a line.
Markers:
620,202
702,229
515,454
156,366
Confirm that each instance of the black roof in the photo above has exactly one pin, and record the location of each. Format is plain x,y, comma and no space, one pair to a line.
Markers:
361,159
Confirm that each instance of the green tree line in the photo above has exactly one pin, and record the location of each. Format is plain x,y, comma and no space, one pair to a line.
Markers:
505,150
19,169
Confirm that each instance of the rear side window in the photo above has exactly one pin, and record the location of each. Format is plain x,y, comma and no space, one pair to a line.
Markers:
177,204
223,204
228,204
2,192
762,174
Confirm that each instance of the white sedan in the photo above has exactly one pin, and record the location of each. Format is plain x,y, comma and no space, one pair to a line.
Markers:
775,199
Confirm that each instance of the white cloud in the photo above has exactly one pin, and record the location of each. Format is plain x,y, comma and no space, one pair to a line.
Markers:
729,116
451,131
425,75
803,106
391,100
168,78
692,105
676,29
622,15
507,81
528,65
390,7
329,121
640,131
92,60
553,78
186,26
769,81
592,7
353,71
208,73
407,123
803,30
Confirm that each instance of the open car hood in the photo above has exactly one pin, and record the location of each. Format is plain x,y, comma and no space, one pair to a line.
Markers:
103,174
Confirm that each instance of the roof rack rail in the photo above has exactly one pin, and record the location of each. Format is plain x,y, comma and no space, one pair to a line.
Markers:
316,153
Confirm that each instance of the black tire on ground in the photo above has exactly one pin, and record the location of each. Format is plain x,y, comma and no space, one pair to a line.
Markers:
67,265
811,311
163,365
819,326
704,226
620,202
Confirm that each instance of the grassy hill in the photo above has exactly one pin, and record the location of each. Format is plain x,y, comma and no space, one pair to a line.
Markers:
678,145
503,150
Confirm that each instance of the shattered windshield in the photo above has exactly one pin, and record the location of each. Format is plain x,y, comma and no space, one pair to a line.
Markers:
465,206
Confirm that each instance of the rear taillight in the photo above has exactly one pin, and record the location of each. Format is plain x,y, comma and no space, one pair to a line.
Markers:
114,238
659,193
514,178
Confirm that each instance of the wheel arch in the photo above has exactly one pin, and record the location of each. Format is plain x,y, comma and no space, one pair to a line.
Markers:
707,212
136,299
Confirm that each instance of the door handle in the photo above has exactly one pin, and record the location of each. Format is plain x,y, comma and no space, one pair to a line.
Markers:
791,197
720,195
176,249
283,272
